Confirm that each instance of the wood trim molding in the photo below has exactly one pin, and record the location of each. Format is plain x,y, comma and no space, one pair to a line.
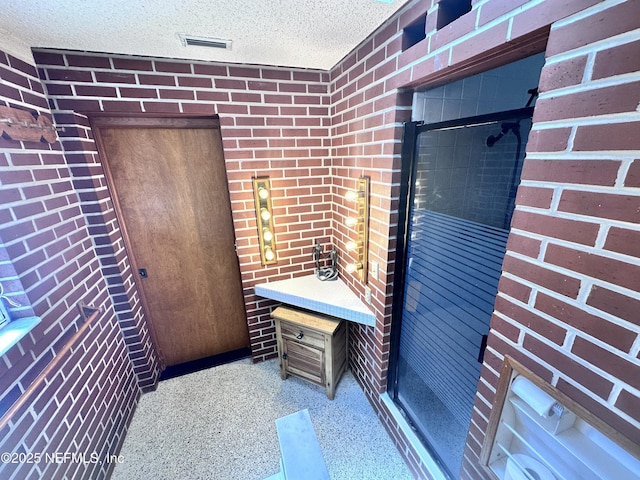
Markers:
146,121
519,48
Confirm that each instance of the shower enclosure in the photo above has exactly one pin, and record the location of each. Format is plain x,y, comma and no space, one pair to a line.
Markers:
460,181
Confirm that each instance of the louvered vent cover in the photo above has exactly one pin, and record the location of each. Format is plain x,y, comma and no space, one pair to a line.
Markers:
193,41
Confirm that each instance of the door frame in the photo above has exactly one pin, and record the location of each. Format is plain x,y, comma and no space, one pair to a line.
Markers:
124,121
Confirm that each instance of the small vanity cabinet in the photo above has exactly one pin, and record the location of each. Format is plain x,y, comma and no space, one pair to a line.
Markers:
311,346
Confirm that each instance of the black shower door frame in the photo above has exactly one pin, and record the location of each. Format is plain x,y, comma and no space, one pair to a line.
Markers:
411,132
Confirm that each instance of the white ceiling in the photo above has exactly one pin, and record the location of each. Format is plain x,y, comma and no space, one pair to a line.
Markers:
298,33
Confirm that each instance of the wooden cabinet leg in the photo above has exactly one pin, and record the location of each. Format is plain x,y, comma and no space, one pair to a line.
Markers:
331,391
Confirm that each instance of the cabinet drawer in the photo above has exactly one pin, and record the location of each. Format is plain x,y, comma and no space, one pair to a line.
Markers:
302,335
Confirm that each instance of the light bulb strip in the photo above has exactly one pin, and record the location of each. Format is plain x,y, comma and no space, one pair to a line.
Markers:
354,267
360,224
264,219
351,221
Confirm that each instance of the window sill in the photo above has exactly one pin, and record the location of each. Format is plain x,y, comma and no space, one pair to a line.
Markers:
14,331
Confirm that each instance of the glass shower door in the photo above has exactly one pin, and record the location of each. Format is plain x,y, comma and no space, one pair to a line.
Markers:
462,194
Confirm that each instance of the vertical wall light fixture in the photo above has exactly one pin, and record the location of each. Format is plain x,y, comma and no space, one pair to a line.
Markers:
264,219
360,223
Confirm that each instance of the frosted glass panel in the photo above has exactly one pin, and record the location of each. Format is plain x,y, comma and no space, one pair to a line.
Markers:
462,203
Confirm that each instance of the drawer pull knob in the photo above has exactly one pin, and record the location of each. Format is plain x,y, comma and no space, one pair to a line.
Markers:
300,335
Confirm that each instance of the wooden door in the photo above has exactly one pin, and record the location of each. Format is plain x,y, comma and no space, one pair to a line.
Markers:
168,181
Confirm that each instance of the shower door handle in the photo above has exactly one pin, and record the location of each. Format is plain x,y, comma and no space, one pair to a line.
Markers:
483,347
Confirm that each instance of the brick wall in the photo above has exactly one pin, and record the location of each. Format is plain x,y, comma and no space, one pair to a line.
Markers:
366,127
274,122
567,297
570,283
97,207
48,264
571,275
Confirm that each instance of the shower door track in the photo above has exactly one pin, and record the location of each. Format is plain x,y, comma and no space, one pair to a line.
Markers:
410,136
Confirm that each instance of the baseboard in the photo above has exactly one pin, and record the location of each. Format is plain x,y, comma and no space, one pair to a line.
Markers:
204,363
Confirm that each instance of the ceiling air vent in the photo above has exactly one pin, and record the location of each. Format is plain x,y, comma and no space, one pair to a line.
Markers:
193,41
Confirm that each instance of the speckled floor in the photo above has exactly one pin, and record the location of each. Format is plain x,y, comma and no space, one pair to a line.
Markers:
219,424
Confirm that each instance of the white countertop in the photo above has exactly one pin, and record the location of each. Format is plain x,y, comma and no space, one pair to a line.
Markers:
331,297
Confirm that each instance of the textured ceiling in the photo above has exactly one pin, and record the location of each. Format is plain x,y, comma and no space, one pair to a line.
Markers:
300,33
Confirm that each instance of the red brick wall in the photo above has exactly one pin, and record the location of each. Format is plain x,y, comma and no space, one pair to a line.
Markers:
366,127
572,272
274,122
570,283
567,297
97,207
48,264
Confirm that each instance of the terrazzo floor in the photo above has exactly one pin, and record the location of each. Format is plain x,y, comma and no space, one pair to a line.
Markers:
219,424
